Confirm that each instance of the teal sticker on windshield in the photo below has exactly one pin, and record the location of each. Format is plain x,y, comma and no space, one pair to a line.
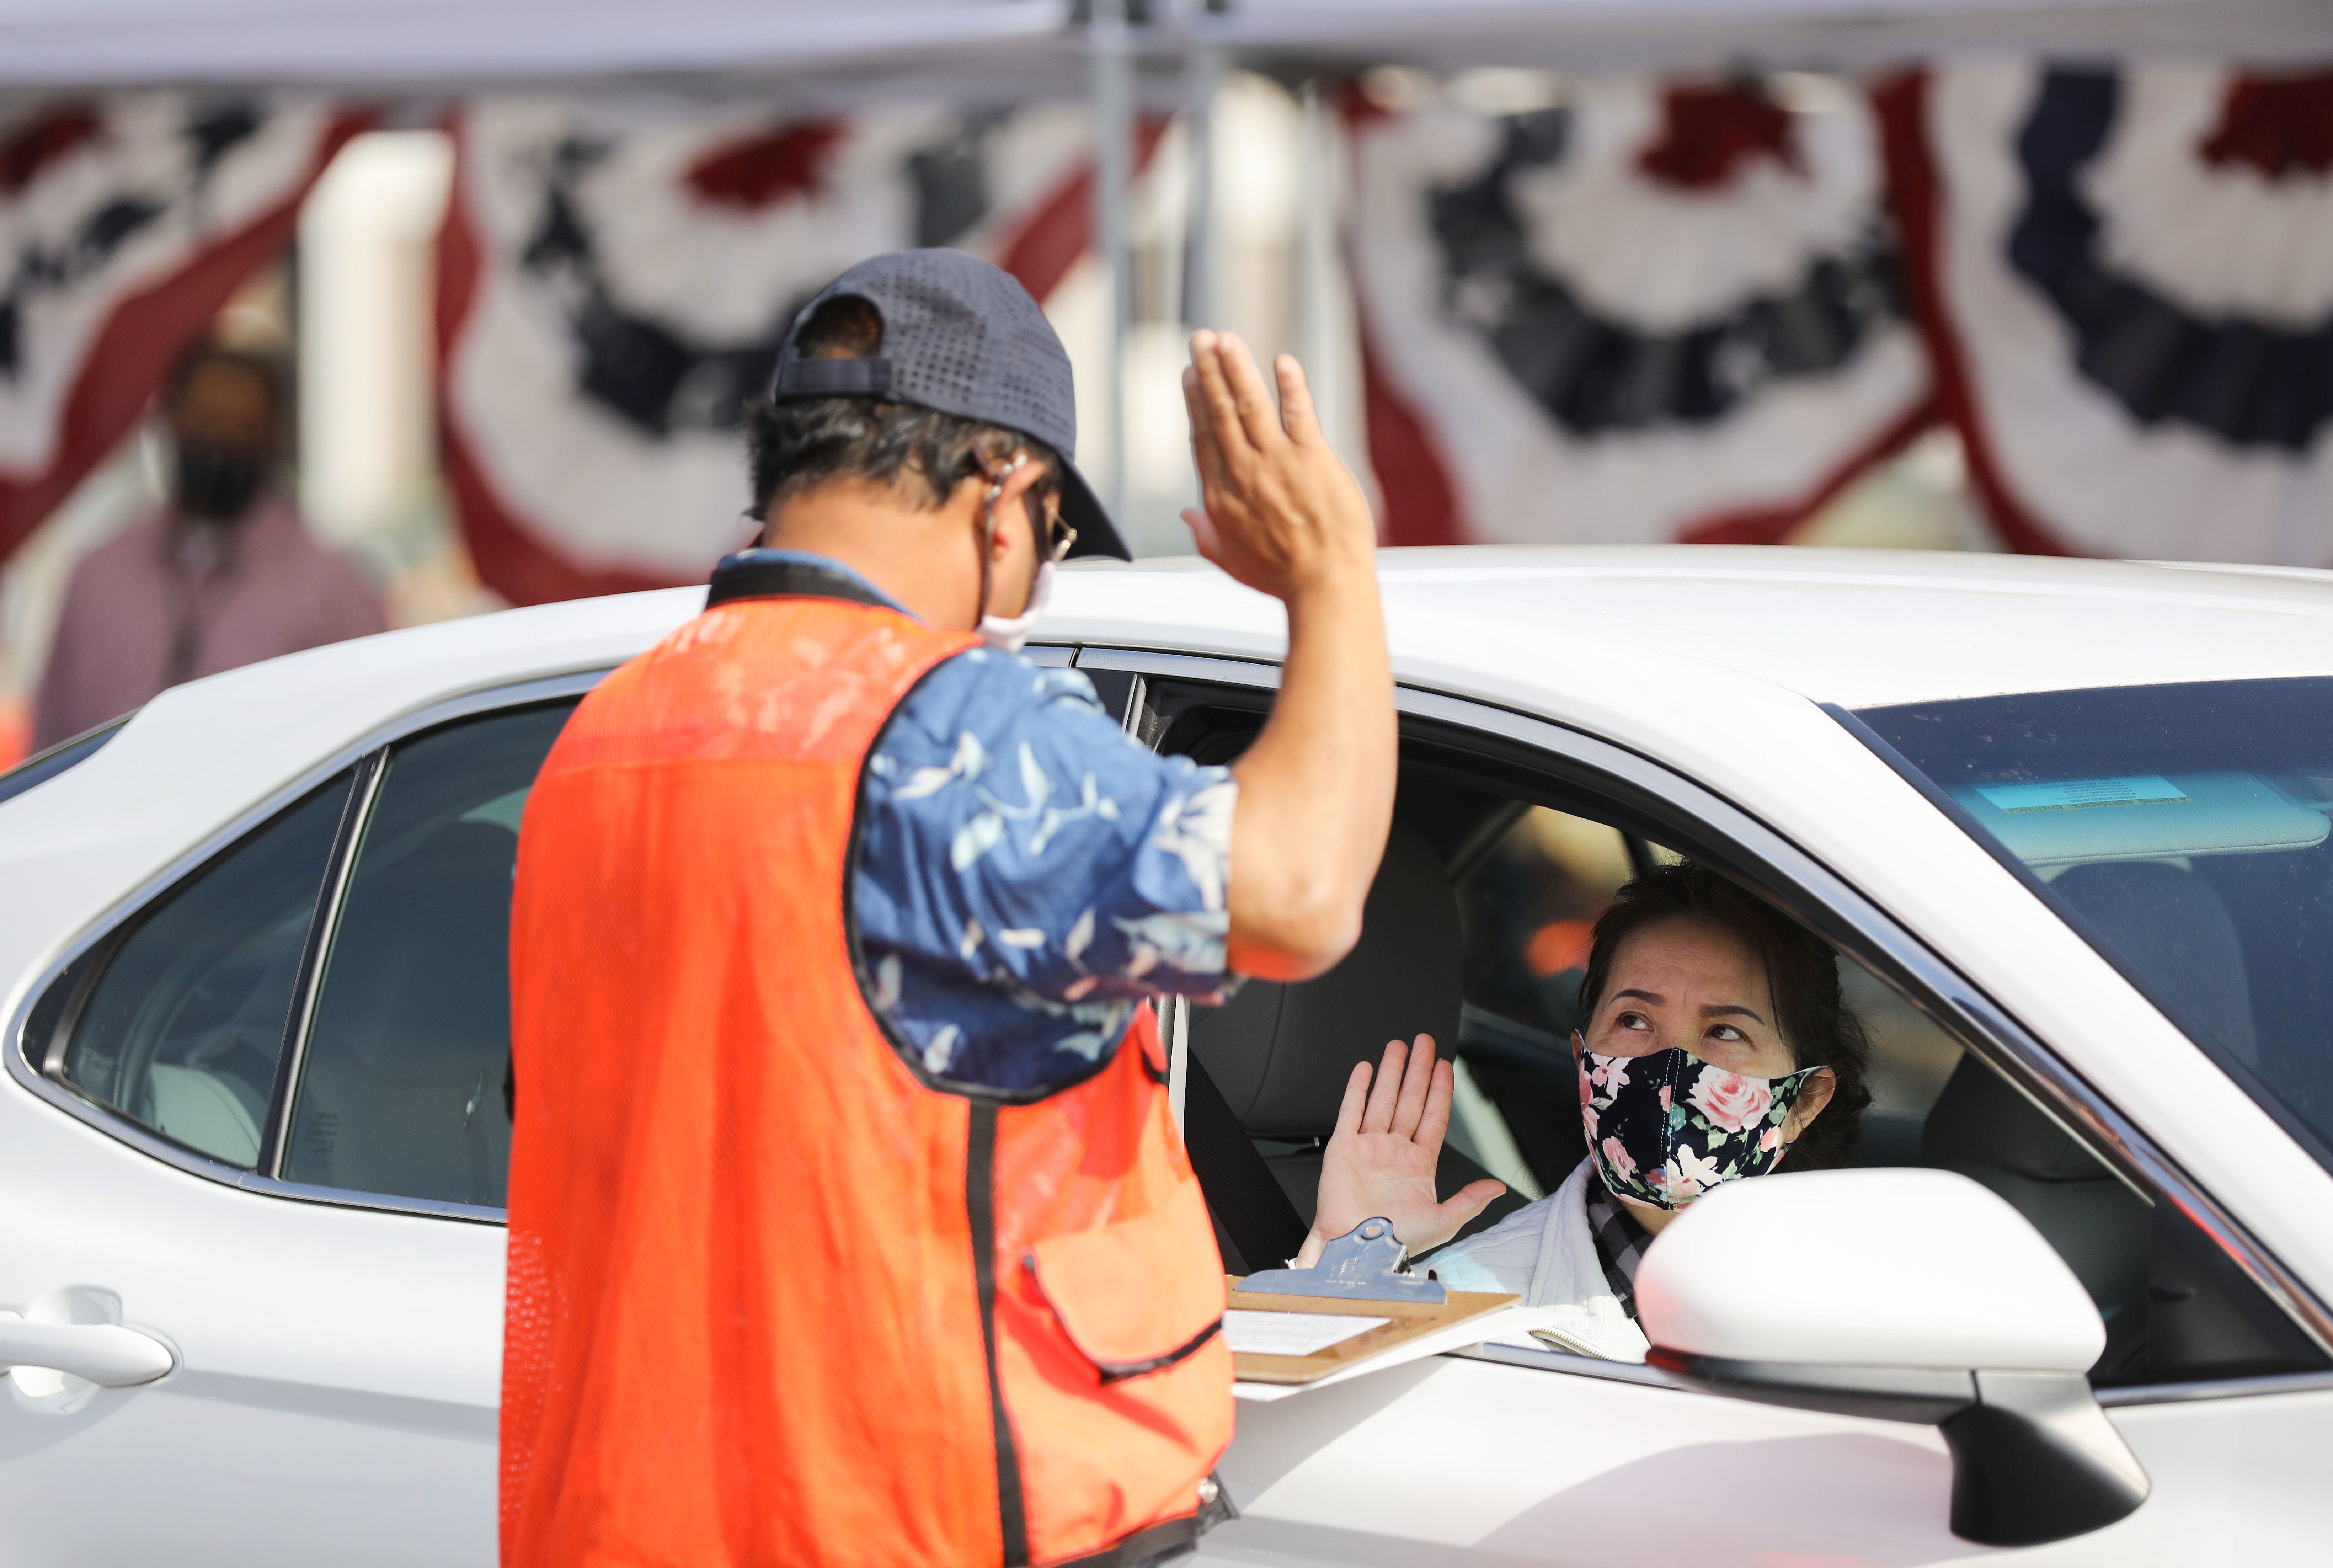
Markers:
2133,790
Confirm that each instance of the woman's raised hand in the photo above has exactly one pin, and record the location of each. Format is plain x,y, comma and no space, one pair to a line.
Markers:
1380,1159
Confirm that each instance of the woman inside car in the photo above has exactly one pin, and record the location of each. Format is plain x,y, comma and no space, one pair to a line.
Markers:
1713,1046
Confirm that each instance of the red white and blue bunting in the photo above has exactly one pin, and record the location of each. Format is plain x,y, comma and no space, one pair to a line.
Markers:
613,291
1660,311
126,221
2127,277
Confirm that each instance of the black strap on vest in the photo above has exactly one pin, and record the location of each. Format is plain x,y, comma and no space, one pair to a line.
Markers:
755,575
980,1207
1160,1543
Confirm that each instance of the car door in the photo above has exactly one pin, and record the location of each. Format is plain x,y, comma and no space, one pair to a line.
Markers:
268,1133
1510,1454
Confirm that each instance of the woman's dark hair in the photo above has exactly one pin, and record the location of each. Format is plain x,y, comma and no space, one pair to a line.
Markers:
1801,975
802,443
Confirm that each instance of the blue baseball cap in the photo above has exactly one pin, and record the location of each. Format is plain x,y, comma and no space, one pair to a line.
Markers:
961,336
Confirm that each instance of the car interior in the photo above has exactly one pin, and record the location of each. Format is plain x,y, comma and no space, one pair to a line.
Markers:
1275,1058
402,1088
2184,830
178,1021
1475,932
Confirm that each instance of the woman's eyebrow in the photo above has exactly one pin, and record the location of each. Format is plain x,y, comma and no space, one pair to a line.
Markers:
1727,1012
1654,997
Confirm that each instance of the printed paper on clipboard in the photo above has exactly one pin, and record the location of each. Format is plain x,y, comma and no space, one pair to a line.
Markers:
1383,1328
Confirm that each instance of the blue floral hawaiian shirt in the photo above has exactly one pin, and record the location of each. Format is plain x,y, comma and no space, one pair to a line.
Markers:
1027,872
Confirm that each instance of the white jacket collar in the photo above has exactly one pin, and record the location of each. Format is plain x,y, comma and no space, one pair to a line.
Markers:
1568,1278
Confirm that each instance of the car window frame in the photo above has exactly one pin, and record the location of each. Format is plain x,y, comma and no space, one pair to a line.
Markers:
36,1064
54,762
1668,804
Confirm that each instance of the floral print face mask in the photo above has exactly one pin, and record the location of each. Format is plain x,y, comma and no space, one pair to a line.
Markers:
1667,1127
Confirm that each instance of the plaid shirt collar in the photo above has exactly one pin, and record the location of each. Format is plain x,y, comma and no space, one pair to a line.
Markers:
1620,1244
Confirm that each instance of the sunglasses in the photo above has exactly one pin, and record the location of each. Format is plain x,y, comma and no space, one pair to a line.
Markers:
1059,538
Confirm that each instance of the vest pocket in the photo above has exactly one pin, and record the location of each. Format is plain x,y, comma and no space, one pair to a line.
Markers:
1139,1296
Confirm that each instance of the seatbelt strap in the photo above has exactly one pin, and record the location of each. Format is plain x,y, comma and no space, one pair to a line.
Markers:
1246,1199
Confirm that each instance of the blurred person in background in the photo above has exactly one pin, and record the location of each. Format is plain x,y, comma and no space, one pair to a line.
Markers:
224,574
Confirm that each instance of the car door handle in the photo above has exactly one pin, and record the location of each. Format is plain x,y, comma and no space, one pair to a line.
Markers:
104,1354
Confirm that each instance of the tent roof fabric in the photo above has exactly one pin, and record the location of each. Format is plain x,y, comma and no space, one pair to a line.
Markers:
100,42
1639,33
853,45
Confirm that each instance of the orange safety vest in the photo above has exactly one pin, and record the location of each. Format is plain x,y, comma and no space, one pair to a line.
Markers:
774,1297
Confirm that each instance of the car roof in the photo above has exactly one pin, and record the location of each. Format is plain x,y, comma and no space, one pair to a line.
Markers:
1858,627
1659,648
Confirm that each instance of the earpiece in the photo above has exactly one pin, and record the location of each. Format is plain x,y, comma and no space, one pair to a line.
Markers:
996,480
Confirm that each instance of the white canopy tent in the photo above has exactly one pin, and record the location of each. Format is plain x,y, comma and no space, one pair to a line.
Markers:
410,57
873,44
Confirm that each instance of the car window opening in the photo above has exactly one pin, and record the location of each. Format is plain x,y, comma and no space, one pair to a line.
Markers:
1487,900
404,1087
183,1027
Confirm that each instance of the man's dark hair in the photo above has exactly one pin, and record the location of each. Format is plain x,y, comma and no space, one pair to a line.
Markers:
800,443
268,370
1801,975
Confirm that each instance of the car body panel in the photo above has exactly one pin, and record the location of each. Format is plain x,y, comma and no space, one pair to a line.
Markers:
1533,1466
334,1365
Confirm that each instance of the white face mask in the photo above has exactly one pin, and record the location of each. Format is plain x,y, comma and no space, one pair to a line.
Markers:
1007,635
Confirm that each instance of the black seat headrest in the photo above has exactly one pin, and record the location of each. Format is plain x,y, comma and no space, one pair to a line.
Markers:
1280,1053
2170,928
1981,1120
1982,1128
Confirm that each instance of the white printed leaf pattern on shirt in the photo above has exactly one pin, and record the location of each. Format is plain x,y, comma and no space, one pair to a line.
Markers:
1012,915
1192,943
976,839
1196,829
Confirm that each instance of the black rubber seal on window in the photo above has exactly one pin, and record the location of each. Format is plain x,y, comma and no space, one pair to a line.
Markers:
330,888
42,766
980,1207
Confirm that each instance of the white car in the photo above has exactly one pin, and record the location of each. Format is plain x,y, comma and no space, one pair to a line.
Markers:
2067,823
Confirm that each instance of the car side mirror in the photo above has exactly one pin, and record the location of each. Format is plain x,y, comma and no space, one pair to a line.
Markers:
1907,1296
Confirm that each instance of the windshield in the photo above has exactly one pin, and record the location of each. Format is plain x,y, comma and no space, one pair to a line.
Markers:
2182,830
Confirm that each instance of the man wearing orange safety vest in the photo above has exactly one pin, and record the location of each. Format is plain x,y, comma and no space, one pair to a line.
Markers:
848,1220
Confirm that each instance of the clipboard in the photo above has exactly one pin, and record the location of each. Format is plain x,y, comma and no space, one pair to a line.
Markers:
1408,1320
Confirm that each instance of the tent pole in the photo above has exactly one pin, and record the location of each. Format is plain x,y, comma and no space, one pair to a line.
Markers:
1113,115
1316,240
1203,76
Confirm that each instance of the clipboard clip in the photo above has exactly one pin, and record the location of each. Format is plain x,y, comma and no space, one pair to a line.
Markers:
1363,1265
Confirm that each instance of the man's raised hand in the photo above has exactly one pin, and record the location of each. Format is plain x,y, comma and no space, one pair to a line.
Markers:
1279,509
